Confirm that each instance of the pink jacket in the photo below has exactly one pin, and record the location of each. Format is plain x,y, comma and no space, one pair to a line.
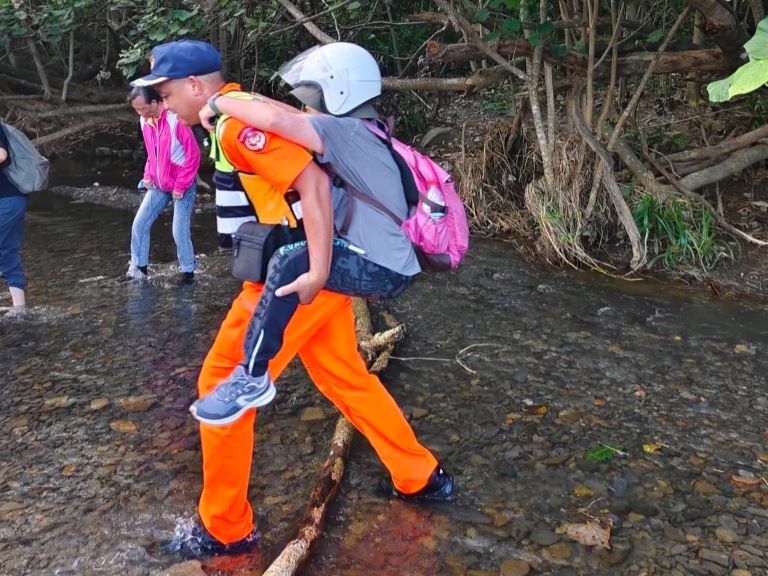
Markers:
173,156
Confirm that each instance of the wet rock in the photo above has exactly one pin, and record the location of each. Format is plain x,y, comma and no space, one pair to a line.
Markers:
57,402
678,549
312,414
726,535
136,403
643,507
417,413
715,556
123,426
744,559
191,568
543,536
704,488
674,534
557,553
9,507
519,377
99,403
618,554
514,567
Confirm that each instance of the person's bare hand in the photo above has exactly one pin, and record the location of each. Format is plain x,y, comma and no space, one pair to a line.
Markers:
305,286
207,116
147,183
177,195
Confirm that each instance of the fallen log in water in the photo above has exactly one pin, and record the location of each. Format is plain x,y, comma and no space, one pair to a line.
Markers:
377,348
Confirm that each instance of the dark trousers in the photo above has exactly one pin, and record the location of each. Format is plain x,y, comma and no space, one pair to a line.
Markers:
350,274
12,211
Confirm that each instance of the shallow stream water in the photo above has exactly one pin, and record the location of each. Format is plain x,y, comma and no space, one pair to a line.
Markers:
511,375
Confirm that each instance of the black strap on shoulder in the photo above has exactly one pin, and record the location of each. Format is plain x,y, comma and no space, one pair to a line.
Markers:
339,182
409,184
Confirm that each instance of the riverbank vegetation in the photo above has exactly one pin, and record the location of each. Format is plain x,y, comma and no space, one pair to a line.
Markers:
581,127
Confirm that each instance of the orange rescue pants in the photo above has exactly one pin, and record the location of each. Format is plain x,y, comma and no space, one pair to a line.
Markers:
323,335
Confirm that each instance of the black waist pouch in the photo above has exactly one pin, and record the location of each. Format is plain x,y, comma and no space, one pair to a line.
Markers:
253,245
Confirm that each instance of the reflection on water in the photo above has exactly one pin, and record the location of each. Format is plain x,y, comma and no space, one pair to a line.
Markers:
101,458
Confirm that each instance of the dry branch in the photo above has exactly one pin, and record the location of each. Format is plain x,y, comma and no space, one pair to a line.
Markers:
688,62
293,556
77,110
725,147
483,78
310,26
78,128
734,164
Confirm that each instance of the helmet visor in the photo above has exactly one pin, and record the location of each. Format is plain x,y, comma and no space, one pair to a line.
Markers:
291,71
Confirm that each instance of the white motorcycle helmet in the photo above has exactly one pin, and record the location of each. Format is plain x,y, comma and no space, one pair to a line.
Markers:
339,78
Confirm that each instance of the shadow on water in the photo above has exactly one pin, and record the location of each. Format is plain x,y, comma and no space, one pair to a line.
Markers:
101,459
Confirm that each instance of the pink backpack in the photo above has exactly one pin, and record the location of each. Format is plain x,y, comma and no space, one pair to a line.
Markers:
437,223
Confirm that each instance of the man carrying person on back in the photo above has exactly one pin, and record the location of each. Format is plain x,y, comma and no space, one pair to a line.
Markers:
187,74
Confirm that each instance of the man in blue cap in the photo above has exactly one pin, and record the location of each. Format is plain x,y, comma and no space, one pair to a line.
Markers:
187,75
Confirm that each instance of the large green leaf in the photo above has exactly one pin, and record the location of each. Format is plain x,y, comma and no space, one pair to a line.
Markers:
757,47
718,90
748,77
602,453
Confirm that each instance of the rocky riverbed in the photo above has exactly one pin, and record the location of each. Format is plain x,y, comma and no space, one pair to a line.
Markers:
558,400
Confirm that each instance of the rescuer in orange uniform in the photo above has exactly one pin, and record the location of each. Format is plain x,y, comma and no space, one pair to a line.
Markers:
322,331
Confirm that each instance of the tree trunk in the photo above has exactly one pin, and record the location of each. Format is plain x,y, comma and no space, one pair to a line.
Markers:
71,66
721,26
693,89
40,69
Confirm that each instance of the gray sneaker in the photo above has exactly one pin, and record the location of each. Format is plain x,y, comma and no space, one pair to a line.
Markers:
230,399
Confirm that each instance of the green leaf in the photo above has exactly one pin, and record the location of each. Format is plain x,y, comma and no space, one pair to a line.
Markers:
757,46
492,36
481,15
748,77
655,36
353,6
181,15
601,453
157,35
545,27
511,26
718,90
535,39
559,51
580,47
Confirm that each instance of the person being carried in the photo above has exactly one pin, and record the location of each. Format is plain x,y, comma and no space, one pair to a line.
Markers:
322,332
170,175
368,256
13,207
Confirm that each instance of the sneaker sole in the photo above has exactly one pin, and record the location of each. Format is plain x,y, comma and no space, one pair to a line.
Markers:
262,400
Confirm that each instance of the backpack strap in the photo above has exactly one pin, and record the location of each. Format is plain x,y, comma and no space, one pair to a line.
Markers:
339,182
383,131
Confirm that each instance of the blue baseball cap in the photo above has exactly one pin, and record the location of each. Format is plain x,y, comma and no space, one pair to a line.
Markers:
180,59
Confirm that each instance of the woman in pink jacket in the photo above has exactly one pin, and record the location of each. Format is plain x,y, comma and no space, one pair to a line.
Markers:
170,174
